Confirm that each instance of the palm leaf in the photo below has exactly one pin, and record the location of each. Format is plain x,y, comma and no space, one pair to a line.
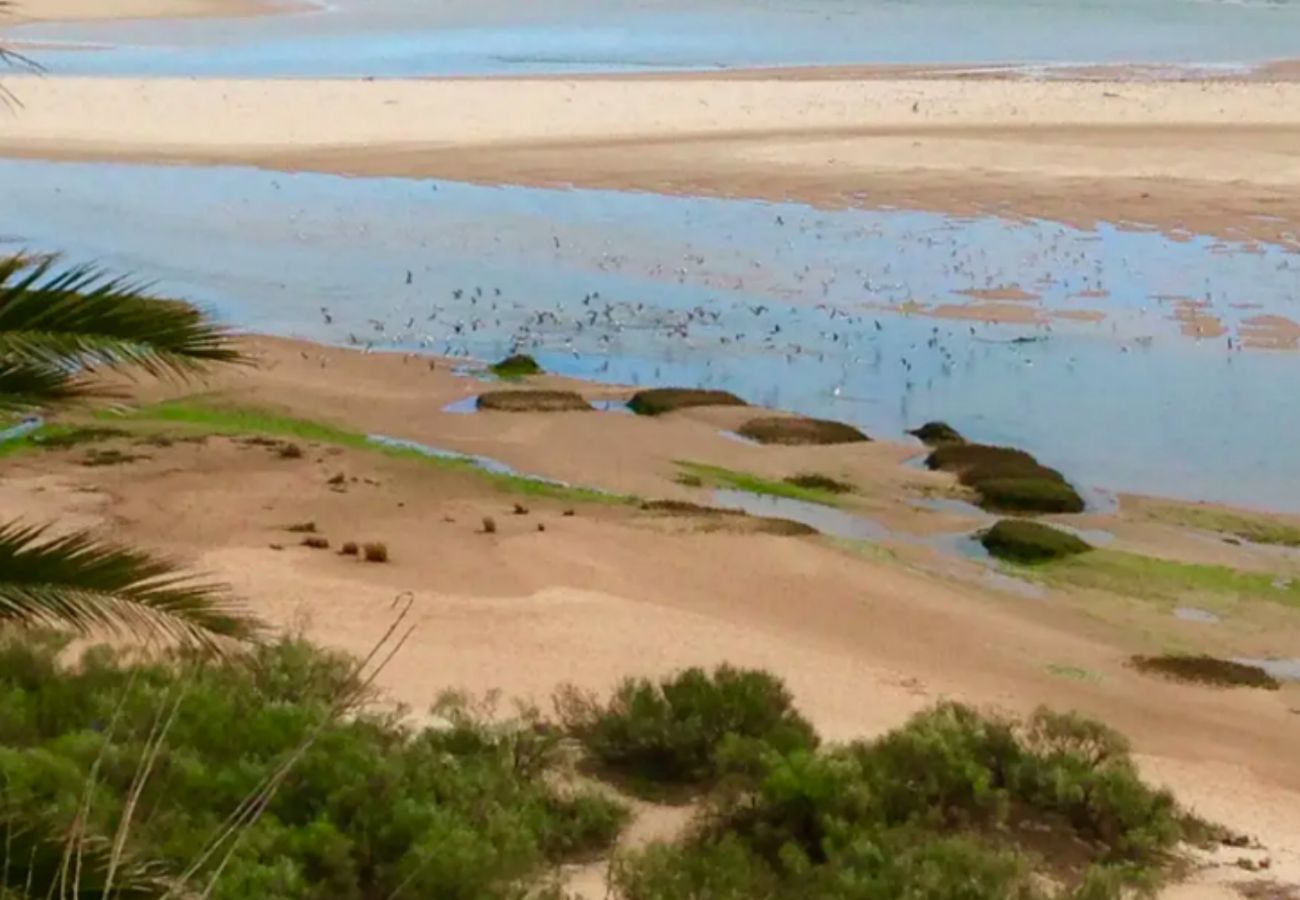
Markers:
23,386
77,318
77,581
35,864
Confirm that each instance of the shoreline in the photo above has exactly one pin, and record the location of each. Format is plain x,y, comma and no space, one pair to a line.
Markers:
1215,158
877,632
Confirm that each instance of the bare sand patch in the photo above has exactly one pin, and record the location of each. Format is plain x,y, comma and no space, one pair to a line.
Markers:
1214,157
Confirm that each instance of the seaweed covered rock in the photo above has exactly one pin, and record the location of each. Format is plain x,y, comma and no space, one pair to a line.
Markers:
1018,540
796,430
1208,670
517,366
657,401
937,434
533,401
1007,479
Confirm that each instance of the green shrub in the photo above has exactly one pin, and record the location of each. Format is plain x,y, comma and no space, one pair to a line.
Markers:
657,401
470,809
1030,542
796,430
954,805
689,728
517,365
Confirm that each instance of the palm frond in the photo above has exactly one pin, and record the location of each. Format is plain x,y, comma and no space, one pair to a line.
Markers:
77,318
34,864
80,582
26,385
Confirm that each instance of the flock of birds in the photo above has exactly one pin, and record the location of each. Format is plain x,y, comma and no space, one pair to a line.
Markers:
807,292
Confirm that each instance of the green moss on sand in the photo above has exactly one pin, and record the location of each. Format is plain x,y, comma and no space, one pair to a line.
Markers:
717,476
197,417
1257,528
1163,580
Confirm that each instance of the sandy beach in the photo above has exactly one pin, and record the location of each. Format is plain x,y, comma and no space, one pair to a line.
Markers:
25,11
1213,157
587,582
873,637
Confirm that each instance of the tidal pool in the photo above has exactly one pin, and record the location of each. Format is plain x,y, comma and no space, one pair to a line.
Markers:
827,313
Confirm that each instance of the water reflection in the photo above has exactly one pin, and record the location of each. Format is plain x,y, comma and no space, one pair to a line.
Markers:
808,310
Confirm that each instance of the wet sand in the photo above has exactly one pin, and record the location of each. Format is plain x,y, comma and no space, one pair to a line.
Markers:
1213,157
873,637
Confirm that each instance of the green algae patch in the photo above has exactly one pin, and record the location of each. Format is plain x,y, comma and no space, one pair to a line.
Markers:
533,401
1030,543
196,417
1206,670
1162,580
799,431
658,401
717,476
1256,528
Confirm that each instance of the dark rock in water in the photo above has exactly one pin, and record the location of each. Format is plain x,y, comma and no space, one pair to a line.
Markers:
937,434
797,430
657,401
533,401
517,366
1206,670
1007,479
1017,540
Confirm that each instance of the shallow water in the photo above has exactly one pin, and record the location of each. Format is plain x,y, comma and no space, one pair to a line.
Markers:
826,519
408,37
788,306
1195,614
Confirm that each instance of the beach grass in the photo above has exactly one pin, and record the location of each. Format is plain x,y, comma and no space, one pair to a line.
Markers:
1161,580
1258,529
717,476
195,416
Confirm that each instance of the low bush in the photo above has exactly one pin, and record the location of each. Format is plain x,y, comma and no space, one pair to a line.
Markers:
937,434
1208,670
687,729
795,430
1020,541
375,552
517,365
374,807
657,401
955,805
533,401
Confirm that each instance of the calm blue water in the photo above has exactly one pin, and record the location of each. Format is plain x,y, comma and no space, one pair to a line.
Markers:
787,305
410,37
